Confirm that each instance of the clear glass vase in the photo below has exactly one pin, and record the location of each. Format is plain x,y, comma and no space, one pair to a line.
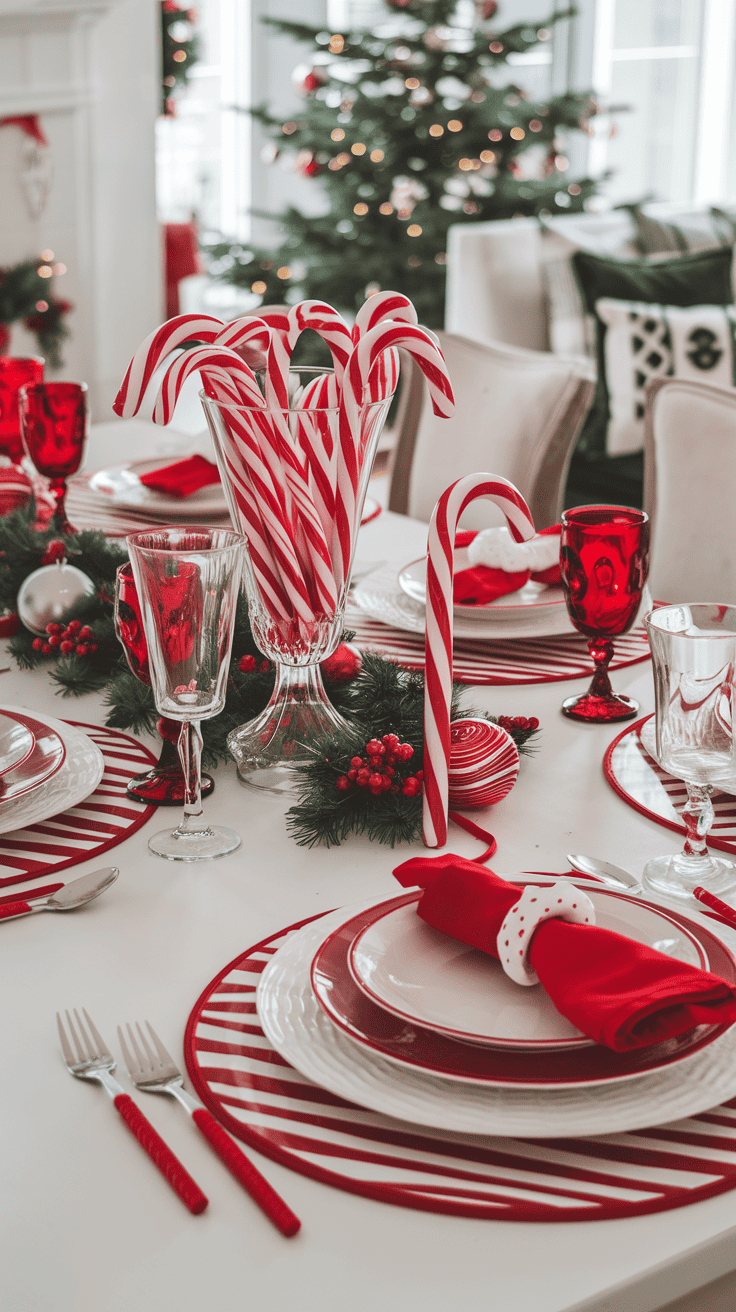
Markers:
267,748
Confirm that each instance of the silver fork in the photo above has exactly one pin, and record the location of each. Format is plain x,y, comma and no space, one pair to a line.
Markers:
87,1057
153,1070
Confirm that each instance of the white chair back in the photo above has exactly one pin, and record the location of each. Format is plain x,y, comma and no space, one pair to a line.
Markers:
690,490
518,414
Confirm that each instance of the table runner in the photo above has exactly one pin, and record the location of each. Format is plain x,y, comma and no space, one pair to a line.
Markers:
262,1100
104,819
645,786
521,660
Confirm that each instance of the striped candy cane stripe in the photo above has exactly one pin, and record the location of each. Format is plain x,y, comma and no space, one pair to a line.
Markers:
104,819
217,361
438,641
156,347
330,326
267,1104
380,306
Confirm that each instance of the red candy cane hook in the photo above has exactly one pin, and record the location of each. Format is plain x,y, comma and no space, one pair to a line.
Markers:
438,642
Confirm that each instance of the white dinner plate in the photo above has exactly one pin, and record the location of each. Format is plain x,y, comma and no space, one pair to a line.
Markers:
415,1047
122,486
17,741
531,603
77,777
298,1028
380,596
429,979
46,758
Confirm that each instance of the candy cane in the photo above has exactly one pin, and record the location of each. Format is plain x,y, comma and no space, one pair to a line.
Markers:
323,319
247,332
355,393
156,347
218,359
382,305
438,641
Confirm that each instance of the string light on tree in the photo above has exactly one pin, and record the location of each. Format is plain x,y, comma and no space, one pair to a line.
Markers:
379,110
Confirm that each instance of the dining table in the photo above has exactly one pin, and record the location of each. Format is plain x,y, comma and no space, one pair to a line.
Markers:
85,1220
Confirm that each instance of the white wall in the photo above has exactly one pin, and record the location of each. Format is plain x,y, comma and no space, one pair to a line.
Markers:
90,68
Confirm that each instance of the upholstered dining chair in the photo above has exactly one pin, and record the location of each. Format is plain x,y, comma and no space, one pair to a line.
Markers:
518,414
690,490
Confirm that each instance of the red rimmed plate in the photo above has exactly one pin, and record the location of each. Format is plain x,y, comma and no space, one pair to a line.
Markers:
427,978
16,743
418,1048
42,763
533,602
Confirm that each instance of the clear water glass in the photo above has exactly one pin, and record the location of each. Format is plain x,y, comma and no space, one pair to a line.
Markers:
187,581
693,660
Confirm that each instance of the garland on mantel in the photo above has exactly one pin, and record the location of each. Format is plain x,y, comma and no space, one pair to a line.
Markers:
383,703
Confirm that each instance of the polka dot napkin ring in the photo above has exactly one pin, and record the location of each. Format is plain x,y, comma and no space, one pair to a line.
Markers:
562,902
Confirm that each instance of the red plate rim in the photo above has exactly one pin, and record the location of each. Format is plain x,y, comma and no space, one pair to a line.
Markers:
417,1047
40,731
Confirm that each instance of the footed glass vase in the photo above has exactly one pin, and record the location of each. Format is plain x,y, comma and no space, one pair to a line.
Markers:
292,633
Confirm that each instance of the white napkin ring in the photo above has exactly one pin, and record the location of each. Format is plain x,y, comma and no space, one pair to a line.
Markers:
562,901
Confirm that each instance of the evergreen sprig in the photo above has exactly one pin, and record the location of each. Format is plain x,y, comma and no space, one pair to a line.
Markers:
26,296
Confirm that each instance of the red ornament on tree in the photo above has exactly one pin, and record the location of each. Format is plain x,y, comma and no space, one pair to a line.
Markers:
308,78
54,551
486,9
344,663
307,165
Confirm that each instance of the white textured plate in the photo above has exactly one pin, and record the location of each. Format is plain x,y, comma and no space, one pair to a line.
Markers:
17,742
300,1031
79,775
123,488
380,596
429,979
528,604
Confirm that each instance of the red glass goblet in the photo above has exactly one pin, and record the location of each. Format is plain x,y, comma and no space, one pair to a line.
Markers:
164,785
14,374
54,422
604,562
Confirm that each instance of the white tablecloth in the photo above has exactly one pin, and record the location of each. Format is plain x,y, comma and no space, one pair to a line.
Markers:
85,1221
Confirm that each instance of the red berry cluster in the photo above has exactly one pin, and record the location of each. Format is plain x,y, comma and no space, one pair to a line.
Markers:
518,725
55,551
376,771
76,637
249,665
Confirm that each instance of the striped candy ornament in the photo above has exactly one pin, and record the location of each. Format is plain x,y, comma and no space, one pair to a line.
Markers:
438,640
484,764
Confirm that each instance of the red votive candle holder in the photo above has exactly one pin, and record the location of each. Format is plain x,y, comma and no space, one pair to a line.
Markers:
15,372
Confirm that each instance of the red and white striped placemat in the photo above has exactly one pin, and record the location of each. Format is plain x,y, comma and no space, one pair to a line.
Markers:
521,660
104,819
89,509
262,1100
644,785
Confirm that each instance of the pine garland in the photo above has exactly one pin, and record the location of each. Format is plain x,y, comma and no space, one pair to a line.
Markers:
179,51
383,699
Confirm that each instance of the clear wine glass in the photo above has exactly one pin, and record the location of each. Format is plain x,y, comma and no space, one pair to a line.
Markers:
693,660
187,581
163,784
54,420
604,563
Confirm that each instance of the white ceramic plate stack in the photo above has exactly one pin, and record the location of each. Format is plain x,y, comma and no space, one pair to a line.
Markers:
532,612
379,1008
122,489
61,766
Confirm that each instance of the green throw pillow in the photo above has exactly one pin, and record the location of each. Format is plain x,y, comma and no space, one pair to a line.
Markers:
702,278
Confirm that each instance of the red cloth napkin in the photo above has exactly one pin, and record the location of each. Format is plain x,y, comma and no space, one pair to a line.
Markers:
182,478
480,585
618,992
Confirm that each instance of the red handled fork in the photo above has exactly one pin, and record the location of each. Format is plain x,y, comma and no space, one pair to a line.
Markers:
157,1072
93,1062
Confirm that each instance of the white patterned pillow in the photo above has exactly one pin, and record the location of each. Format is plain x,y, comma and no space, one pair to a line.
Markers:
660,341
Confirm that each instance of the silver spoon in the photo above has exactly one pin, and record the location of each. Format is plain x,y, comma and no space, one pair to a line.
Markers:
610,874
68,898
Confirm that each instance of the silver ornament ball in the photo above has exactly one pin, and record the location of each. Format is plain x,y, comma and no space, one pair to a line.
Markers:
50,594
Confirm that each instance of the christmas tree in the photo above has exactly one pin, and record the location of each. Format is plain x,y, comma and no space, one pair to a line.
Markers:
409,127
